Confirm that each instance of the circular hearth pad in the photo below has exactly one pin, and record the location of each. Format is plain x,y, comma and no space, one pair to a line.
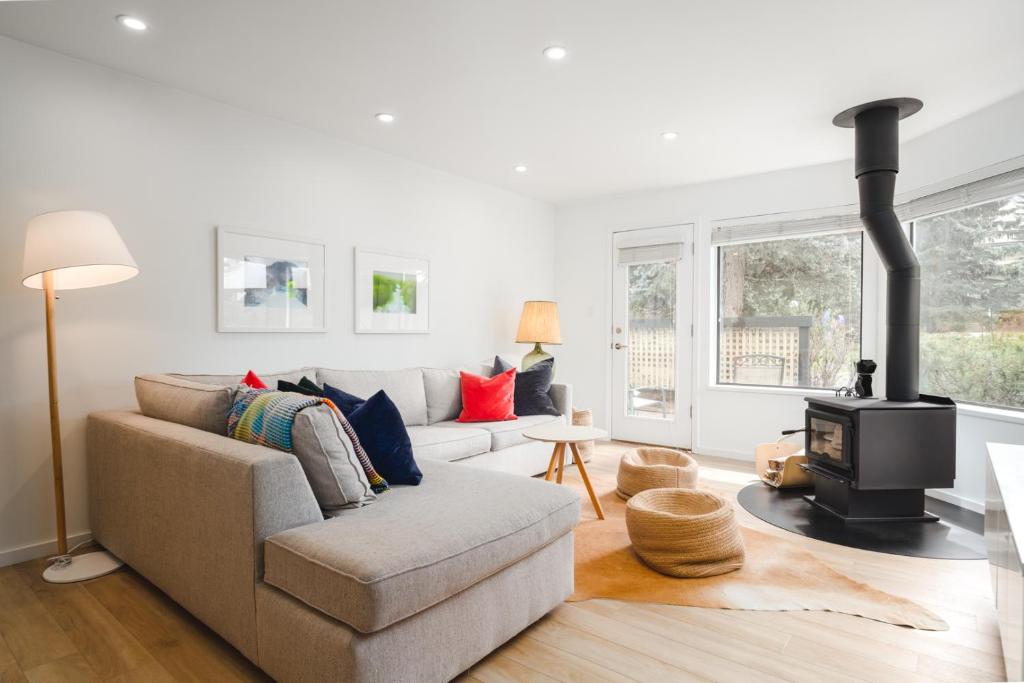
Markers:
956,536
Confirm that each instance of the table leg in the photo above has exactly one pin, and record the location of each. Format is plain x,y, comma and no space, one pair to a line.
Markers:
586,480
551,464
560,454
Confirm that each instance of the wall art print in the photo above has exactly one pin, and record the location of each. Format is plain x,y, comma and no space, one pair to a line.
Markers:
269,283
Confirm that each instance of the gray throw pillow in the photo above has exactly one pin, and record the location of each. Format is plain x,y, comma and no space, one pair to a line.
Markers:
443,390
329,460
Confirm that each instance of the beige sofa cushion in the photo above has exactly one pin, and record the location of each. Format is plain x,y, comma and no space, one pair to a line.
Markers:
269,378
329,460
508,432
445,443
443,389
193,404
403,387
418,545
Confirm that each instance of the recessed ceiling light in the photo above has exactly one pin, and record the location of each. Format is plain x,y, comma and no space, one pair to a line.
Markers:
555,52
669,135
519,169
385,117
134,23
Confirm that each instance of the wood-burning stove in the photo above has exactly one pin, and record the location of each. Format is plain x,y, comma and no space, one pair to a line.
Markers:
872,458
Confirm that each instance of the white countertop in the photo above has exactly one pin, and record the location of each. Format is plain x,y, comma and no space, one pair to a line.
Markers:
1008,466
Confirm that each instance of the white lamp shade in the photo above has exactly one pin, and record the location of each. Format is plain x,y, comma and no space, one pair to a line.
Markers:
82,248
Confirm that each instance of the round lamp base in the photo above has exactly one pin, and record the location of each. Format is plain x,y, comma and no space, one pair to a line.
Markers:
533,357
83,568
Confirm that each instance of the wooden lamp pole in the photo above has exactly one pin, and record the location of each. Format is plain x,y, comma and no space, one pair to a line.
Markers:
51,367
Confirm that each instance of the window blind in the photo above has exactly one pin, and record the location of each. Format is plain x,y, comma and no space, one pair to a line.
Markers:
776,227
978,192
768,229
650,253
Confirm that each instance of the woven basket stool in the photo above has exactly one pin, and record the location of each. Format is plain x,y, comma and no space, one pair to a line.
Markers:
584,418
649,467
684,533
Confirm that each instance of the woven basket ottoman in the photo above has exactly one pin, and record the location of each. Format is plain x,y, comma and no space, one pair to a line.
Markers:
684,533
649,467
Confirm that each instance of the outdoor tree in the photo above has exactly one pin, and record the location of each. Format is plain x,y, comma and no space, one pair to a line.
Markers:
972,293
972,267
818,277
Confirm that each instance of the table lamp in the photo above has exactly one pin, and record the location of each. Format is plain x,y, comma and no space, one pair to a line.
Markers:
71,250
538,325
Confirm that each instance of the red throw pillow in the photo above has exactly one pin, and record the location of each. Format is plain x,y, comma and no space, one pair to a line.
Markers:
253,381
488,399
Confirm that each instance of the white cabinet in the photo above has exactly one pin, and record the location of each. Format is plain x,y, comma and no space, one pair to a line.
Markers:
1004,516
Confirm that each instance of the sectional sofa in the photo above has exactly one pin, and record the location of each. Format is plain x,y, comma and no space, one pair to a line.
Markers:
417,586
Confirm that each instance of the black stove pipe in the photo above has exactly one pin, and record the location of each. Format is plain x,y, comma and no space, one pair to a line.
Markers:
876,163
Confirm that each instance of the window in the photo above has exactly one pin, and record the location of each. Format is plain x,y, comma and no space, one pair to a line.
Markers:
651,370
789,310
972,301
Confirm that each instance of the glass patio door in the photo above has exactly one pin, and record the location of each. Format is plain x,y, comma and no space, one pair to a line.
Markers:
651,343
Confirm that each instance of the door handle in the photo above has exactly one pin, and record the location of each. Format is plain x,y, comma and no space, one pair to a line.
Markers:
618,347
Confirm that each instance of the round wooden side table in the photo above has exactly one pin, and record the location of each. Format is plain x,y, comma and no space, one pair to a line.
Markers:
568,435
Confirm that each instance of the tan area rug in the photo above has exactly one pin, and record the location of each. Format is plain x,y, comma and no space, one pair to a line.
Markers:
777,576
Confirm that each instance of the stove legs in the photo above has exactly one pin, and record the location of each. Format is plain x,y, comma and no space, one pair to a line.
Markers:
854,505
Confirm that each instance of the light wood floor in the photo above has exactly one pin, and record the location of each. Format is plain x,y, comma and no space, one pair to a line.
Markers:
120,628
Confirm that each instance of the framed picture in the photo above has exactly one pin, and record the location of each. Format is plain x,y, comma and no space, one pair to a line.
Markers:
269,283
392,292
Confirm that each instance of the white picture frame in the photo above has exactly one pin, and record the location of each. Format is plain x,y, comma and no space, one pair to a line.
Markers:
392,293
269,282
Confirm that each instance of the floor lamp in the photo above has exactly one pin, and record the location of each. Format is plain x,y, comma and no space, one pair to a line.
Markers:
71,250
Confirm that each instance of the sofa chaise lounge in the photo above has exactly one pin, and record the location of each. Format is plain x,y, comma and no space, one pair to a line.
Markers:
417,586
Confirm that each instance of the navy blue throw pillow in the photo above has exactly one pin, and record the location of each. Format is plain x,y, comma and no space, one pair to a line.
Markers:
380,429
345,401
532,385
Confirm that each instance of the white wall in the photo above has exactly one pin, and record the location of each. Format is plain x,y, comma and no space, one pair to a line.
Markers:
730,421
168,167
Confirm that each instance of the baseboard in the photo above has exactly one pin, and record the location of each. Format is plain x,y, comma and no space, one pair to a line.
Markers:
37,550
959,501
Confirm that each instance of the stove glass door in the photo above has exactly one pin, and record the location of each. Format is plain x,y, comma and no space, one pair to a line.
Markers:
828,439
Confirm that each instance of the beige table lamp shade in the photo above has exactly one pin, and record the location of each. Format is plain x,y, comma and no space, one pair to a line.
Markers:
82,248
539,323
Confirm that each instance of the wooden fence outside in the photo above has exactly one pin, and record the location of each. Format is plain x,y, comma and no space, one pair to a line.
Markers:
652,349
652,356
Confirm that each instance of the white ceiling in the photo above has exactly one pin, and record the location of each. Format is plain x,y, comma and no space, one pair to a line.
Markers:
750,85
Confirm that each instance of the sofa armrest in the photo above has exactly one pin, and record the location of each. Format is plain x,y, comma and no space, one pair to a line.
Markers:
561,396
189,510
